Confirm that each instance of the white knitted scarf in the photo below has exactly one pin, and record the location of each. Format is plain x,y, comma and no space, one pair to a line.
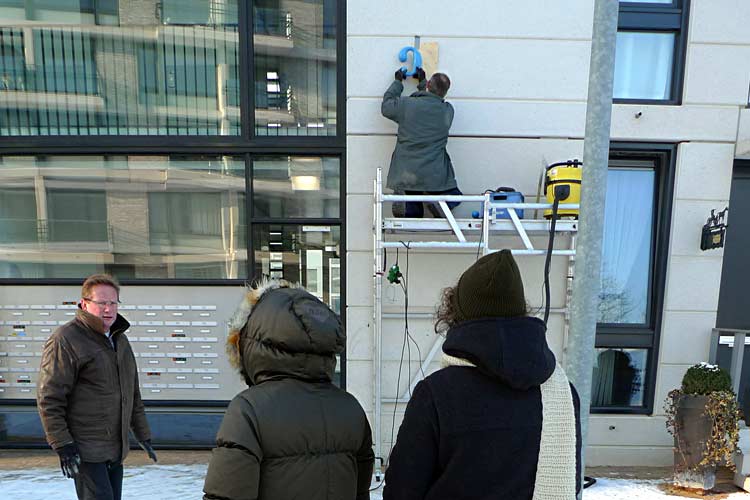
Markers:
556,464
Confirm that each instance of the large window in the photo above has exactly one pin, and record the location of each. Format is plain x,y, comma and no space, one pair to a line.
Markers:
169,68
296,186
148,217
304,254
636,222
295,67
109,69
650,55
181,217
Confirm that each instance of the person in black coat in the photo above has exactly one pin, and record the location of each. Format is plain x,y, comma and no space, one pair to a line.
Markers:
292,434
500,420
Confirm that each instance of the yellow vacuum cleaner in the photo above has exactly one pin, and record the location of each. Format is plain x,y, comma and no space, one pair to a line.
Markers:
567,173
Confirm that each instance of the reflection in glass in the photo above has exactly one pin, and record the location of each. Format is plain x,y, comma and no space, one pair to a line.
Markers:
619,377
180,429
132,216
295,67
643,65
296,186
184,429
119,68
307,255
626,252
21,428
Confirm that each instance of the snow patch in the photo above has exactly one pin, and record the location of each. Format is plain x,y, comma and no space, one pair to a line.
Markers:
178,482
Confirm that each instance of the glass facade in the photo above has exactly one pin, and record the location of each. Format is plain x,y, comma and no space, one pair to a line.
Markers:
296,186
305,254
171,143
295,67
165,68
133,216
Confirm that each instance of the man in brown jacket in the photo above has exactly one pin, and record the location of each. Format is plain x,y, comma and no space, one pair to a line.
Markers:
88,396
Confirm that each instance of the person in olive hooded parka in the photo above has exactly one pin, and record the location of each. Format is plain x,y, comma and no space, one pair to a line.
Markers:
500,420
292,434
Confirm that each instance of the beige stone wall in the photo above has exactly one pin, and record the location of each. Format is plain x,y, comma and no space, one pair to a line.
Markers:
520,72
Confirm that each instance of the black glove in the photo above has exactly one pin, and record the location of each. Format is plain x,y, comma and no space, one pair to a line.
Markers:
69,460
146,445
400,74
420,75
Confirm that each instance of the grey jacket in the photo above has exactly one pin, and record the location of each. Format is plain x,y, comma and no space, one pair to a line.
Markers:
419,161
88,393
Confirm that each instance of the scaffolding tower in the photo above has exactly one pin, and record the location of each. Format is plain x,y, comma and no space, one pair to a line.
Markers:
485,225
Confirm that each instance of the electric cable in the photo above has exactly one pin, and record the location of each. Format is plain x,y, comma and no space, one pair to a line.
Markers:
587,480
400,368
407,331
395,403
548,259
406,344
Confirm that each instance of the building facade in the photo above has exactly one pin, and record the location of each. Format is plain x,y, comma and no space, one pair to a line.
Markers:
185,147
190,146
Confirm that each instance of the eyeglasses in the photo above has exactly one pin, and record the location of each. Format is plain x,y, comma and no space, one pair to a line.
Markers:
102,303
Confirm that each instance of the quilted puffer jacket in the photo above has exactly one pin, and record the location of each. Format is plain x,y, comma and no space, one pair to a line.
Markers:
292,434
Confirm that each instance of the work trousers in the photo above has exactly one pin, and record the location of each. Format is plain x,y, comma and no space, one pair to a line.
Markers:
99,481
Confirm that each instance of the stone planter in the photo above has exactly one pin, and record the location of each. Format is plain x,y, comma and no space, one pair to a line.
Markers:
693,431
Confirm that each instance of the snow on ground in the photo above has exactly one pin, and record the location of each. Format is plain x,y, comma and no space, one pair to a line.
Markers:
185,482
155,482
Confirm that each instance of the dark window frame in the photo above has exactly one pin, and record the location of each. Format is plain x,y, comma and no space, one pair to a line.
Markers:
646,336
659,18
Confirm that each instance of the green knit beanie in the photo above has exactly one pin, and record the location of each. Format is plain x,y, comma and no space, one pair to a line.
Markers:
491,287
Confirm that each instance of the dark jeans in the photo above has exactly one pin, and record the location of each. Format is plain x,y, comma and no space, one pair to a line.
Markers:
415,210
99,481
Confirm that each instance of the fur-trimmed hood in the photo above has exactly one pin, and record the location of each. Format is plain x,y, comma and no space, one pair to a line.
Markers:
280,331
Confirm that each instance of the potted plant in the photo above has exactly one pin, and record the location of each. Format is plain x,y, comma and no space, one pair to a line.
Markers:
703,417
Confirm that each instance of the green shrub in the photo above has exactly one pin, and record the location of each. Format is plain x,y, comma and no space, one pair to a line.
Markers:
704,379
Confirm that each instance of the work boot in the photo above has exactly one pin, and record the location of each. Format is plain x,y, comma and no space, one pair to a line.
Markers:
398,208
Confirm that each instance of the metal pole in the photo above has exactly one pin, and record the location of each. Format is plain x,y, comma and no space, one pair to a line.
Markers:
738,351
584,303
378,315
